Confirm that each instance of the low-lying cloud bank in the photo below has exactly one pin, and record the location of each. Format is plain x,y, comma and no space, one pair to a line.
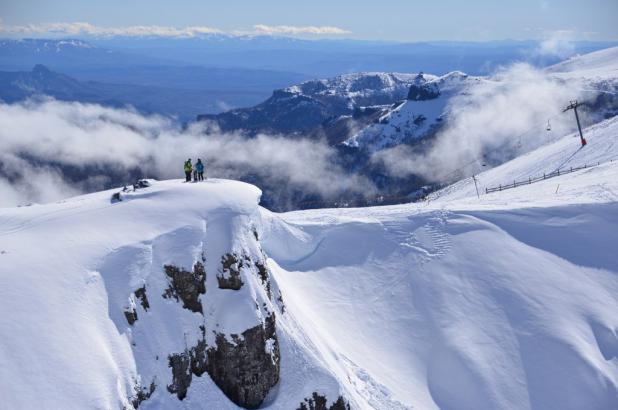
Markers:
489,123
41,140
88,29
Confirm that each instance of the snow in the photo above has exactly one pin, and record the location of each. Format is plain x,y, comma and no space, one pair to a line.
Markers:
594,73
602,64
355,86
507,301
414,119
504,301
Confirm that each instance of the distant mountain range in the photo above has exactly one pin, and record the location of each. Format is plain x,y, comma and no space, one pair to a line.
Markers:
356,113
184,104
333,107
153,85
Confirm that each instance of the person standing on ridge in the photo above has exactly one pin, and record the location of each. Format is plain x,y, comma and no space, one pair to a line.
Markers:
199,166
188,169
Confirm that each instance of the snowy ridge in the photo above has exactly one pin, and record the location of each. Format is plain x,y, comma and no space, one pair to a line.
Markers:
602,64
357,86
504,302
414,119
106,304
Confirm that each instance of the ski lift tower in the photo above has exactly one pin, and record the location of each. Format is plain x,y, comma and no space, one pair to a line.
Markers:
573,106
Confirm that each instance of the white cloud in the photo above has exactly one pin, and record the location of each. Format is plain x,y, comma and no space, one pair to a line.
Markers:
491,122
87,29
39,140
80,28
557,44
299,30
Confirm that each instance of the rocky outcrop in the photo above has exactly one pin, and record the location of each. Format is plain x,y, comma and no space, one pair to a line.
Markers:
186,285
246,368
141,295
229,278
318,402
180,364
131,315
422,90
142,394
262,271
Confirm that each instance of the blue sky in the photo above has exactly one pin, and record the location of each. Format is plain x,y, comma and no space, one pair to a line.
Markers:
398,20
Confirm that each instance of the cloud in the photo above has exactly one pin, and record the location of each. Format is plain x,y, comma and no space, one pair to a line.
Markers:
87,29
51,149
490,123
299,30
557,44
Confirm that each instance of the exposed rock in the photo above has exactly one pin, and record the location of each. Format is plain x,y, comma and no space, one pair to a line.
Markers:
142,394
422,90
141,295
281,303
116,197
181,374
318,402
248,367
186,286
264,276
230,273
131,315
419,119
141,183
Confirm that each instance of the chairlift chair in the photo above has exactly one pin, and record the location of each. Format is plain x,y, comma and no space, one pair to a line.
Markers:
548,126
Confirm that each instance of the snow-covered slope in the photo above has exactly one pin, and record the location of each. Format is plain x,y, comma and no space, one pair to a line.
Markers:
504,302
602,64
507,301
419,116
586,186
162,299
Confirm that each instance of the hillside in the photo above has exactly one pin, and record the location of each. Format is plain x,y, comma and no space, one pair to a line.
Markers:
421,115
311,106
192,296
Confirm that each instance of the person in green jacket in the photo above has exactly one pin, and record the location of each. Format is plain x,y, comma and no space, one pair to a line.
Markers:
188,169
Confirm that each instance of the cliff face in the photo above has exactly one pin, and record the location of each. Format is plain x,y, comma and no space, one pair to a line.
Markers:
174,302
208,290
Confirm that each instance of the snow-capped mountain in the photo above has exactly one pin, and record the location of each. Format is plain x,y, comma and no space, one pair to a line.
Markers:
174,295
304,108
421,115
427,107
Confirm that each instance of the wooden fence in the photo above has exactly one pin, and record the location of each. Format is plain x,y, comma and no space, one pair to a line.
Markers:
532,180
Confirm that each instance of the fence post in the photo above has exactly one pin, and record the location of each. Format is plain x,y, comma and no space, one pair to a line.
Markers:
543,175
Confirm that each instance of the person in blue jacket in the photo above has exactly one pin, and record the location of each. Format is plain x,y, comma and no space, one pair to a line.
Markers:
199,167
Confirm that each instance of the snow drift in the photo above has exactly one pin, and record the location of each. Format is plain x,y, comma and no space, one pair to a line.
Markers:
192,296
